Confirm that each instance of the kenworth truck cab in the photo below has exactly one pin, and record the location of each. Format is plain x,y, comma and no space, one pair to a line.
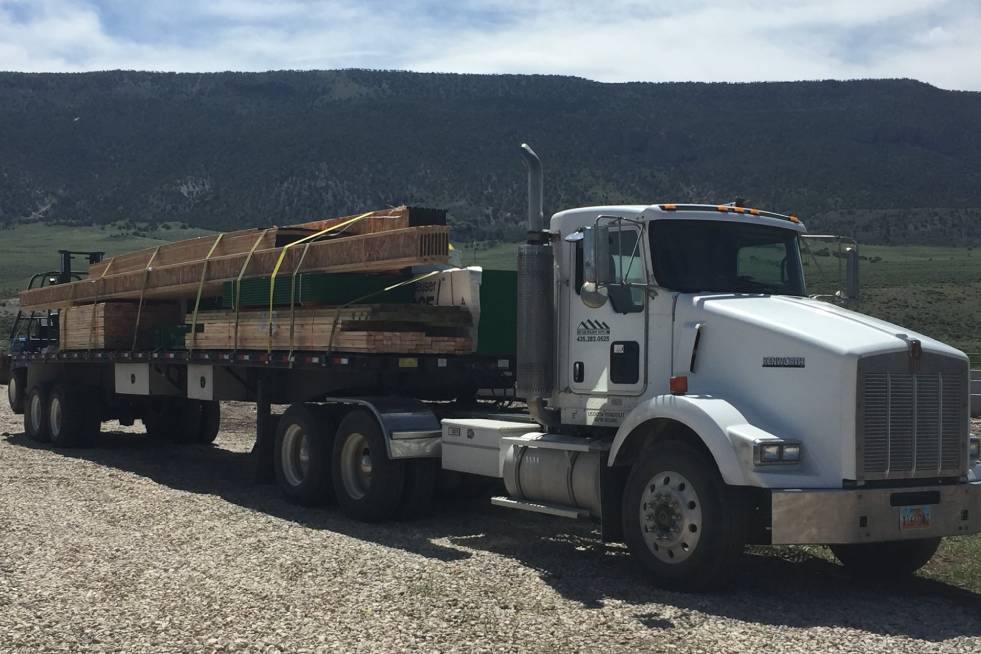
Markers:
694,398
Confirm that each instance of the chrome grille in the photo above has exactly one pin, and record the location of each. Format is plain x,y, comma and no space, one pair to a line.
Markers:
912,422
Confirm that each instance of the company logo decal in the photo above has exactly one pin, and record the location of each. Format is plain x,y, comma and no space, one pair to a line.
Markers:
783,362
593,331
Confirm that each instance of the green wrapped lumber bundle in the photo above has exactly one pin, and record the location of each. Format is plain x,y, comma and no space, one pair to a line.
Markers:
319,289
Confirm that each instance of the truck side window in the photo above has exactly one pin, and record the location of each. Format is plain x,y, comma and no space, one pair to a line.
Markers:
628,266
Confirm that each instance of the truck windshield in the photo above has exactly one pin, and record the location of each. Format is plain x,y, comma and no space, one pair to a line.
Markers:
722,256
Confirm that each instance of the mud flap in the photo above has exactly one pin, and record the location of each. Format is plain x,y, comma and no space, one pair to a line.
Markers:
613,479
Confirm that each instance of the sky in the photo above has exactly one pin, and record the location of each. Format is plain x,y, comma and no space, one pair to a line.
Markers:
935,41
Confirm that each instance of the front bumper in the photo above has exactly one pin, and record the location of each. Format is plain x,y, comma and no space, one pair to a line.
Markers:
865,515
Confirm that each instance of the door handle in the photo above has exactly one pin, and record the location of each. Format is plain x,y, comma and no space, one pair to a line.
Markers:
578,372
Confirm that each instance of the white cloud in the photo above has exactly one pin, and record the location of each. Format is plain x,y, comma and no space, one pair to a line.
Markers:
617,40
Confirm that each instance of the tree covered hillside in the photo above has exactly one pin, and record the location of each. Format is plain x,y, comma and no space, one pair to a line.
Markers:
894,161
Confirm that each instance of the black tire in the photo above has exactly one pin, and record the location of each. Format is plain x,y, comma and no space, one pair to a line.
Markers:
36,414
420,488
304,478
210,422
887,560
359,448
15,390
162,419
72,420
686,500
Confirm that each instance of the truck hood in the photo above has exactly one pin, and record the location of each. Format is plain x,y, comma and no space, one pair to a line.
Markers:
814,324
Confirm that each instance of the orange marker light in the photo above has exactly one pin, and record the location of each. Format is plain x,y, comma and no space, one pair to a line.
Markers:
678,385
723,208
793,218
739,210
668,207
755,212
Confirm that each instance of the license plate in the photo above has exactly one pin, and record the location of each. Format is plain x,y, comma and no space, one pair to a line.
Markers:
914,517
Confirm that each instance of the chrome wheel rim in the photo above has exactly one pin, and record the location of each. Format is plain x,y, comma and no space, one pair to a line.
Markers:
54,417
356,466
296,455
671,517
36,421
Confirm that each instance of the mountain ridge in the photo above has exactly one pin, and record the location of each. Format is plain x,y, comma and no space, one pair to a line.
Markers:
888,161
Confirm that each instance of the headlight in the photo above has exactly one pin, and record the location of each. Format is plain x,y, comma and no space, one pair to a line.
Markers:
776,452
974,449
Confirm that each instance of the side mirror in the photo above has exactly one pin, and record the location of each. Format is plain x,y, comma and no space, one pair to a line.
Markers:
596,255
596,269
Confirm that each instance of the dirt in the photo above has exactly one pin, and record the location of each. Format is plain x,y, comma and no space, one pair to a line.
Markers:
133,546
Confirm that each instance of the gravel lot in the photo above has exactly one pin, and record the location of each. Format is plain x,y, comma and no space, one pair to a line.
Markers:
137,546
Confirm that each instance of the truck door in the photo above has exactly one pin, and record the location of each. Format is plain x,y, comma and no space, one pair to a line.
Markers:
607,345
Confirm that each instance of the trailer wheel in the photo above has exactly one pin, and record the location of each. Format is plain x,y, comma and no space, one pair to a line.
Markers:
198,421
73,416
15,390
367,483
301,455
36,414
678,520
210,422
891,559
162,418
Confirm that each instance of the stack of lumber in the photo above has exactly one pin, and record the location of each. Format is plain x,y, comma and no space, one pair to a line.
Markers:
381,241
382,328
112,325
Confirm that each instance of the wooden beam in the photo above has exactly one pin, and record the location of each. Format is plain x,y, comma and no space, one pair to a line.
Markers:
384,251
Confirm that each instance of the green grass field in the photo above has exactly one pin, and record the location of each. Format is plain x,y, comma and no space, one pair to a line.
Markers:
31,248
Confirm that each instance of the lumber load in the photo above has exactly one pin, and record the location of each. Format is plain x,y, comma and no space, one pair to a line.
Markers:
380,328
240,242
111,325
383,251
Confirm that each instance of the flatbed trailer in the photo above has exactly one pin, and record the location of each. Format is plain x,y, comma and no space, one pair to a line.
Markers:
676,385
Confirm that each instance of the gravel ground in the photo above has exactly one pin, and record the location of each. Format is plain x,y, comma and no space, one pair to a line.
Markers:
135,546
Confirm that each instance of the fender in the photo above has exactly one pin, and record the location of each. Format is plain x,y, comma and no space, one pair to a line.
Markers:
411,429
721,427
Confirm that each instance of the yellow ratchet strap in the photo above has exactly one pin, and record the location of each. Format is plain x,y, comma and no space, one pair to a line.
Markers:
337,316
96,302
282,255
238,282
139,308
197,302
306,248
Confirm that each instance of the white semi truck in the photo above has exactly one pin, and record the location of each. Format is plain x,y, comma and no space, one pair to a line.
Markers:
682,390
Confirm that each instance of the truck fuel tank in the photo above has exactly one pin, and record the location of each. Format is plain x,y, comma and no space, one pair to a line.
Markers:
555,470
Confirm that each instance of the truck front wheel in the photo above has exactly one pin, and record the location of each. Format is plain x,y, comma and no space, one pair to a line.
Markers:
890,559
367,483
678,519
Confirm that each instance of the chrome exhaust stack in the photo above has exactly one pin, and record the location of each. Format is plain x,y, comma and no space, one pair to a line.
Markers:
536,311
